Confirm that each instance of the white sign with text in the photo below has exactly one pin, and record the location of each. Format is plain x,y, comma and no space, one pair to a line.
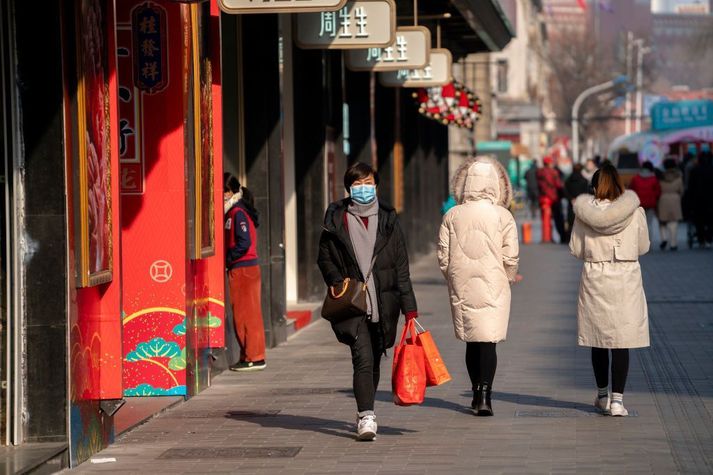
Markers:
410,50
357,25
279,6
437,73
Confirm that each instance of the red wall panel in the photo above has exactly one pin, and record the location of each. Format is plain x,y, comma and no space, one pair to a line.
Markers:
153,214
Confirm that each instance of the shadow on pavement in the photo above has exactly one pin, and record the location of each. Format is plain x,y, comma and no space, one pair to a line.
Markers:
541,401
386,396
313,424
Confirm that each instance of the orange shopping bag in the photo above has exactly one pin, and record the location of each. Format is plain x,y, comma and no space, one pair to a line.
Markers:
436,371
408,376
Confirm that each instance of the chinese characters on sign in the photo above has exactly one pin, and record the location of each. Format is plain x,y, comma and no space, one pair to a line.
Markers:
131,178
148,24
142,48
681,114
279,6
329,23
410,50
359,24
437,73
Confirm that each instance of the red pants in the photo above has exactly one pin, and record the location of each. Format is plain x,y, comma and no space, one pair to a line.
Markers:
247,312
546,211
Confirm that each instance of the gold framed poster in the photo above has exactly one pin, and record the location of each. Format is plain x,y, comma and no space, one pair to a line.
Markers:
204,217
93,145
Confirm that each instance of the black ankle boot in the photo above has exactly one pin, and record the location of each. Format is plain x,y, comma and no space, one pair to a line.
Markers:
477,399
484,393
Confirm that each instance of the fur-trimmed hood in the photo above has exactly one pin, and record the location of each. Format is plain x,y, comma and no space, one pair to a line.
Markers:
610,219
495,186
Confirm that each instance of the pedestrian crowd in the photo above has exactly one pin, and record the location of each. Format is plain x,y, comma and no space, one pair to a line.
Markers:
364,262
678,191
363,259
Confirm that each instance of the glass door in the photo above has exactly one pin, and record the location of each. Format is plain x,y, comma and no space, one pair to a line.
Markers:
4,193
7,327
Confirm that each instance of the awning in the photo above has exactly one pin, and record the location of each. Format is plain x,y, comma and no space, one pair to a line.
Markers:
487,20
472,26
653,146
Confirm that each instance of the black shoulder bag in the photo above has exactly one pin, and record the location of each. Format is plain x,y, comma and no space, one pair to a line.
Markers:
349,301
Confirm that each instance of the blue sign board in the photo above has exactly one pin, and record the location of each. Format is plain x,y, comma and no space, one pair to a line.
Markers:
681,114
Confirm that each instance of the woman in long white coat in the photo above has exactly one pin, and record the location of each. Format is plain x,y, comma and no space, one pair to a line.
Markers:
478,255
609,234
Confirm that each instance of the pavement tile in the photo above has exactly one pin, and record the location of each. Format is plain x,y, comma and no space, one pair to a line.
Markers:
541,371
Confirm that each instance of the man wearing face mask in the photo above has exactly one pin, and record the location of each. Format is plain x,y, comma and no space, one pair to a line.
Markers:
357,231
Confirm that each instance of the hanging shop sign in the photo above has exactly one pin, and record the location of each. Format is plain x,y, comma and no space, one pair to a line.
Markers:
437,73
452,104
357,25
148,24
410,50
279,6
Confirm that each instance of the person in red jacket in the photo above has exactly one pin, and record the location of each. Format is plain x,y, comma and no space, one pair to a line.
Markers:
550,185
241,262
647,187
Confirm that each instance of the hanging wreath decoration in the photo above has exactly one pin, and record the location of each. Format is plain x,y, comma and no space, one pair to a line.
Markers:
452,104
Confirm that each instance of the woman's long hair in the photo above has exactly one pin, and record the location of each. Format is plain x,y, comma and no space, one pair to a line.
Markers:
232,184
607,183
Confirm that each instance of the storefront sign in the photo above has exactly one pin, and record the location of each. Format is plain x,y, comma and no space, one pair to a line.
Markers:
279,6
148,23
359,24
681,114
437,73
411,50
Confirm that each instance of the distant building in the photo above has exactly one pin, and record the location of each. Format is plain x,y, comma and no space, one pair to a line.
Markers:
519,82
682,51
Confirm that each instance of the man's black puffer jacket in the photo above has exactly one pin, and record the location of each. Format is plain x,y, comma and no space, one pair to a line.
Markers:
391,269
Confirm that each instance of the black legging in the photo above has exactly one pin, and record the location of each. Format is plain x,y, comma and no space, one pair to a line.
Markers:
366,356
619,368
481,361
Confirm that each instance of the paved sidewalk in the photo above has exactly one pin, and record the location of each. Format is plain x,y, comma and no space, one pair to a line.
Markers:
298,416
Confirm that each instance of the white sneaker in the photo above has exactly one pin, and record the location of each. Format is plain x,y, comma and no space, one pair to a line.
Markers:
366,428
618,409
602,403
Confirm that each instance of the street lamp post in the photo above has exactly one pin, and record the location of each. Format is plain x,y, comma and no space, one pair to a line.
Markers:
575,110
629,60
642,50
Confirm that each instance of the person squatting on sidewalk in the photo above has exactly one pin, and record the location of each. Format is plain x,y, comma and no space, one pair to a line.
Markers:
610,233
241,261
478,255
355,230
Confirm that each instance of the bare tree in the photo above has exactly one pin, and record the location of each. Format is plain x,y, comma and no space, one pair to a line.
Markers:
576,63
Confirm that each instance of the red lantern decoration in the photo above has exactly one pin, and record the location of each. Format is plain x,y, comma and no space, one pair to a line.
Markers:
450,104
449,93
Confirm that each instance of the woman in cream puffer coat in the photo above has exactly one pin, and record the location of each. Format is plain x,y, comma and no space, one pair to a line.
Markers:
478,255
609,235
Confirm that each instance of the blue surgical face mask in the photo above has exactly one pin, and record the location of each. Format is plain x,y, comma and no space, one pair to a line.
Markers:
363,194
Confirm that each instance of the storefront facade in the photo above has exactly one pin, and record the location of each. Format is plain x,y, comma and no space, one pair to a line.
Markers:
117,130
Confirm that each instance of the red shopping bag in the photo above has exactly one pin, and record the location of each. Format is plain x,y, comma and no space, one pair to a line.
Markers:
436,371
408,376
